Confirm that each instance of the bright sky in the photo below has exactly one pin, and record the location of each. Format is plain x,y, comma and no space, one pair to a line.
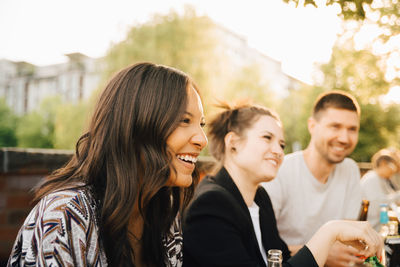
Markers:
42,31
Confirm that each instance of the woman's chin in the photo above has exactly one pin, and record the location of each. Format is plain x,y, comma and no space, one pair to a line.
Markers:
181,181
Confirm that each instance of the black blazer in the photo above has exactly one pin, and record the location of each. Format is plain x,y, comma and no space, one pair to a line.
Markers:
218,230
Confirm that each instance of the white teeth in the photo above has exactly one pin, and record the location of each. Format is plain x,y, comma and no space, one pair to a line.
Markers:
187,158
273,162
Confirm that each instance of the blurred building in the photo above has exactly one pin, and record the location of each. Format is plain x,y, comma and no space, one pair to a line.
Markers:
240,54
24,85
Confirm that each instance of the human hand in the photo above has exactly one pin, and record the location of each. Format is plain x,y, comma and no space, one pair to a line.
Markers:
341,255
360,236
361,240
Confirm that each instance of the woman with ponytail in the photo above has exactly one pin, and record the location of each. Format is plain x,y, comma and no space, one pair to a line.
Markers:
230,221
118,201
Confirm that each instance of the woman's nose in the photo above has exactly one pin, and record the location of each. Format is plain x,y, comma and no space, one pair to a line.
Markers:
200,139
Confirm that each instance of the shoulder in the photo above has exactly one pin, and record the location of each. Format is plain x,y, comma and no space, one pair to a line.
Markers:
262,194
68,209
349,167
293,157
67,196
369,178
262,197
209,191
291,163
212,199
63,215
59,225
72,202
289,170
349,162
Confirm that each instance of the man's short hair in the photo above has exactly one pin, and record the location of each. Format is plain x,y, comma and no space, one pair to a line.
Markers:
335,99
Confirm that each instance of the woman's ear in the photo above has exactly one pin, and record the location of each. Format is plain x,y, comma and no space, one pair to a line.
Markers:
231,140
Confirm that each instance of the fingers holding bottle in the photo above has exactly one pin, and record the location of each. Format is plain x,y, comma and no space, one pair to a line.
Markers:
361,236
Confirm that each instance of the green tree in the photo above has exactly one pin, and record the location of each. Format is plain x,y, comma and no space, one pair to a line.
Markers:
70,122
294,110
359,71
8,124
187,42
36,129
248,83
386,14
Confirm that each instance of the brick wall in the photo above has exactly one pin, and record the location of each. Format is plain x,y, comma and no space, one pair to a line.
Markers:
20,171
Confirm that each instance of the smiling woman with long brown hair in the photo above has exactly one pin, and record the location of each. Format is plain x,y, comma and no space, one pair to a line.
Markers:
118,200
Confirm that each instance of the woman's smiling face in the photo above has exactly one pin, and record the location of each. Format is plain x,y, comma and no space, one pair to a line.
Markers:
259,153
187,141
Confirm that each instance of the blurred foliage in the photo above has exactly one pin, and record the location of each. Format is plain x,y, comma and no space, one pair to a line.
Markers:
36,129
294,111
359,71
382,13
350,9
386,14
70,121
8,125
248,84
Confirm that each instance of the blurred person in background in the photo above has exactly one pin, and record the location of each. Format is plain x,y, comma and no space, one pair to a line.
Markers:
118,201
395,179
377,186
320,183
231,222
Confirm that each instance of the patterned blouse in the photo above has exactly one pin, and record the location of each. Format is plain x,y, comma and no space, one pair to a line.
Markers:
62,230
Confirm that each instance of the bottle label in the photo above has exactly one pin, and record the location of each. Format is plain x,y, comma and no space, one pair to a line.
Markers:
384,218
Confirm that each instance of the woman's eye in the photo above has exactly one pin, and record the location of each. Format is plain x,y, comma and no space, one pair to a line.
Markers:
202,124
186,120
268,137
283,146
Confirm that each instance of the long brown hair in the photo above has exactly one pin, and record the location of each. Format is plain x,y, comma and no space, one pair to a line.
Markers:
123,158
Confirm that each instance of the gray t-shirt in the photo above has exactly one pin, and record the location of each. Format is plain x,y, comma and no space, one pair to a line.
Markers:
302,204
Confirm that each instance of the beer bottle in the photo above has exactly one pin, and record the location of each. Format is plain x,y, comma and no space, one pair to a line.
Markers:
364,210
274,258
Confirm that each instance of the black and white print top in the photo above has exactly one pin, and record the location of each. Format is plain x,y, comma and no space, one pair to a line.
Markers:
62,230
